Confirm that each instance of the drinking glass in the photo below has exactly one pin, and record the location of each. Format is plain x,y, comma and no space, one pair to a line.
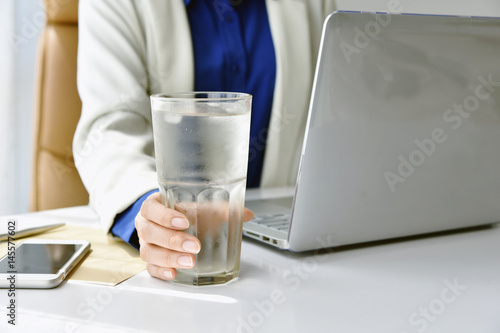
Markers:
201,145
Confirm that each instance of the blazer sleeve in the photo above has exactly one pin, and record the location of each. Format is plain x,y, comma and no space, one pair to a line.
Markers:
113,142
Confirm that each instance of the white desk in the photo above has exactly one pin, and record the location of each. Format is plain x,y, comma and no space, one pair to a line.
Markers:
388,287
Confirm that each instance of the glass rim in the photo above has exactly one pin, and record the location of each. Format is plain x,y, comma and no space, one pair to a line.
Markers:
191,96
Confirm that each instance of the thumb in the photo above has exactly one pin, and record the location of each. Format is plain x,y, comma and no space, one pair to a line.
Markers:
248,215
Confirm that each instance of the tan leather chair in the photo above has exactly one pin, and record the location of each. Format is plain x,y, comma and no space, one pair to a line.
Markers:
55,180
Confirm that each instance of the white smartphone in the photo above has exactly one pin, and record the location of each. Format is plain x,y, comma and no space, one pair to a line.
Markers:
40,263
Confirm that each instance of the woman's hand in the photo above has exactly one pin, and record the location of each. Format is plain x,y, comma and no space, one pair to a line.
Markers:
164,244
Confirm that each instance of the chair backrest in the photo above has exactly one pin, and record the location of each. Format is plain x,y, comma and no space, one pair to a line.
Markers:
55,180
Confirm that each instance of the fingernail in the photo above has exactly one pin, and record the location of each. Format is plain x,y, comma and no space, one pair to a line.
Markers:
168,275
190,246
180,222
185,261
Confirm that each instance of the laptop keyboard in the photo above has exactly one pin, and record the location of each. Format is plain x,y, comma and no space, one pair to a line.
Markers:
279,222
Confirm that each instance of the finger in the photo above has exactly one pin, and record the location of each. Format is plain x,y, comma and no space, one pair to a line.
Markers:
152,209
248,215
158,256
150,232
162,273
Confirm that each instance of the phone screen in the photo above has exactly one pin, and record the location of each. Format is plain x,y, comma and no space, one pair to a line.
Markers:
40,258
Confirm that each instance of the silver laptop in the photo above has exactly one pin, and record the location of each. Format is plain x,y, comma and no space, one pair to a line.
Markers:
403,133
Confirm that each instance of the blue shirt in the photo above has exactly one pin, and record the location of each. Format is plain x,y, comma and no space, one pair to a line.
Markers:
233,51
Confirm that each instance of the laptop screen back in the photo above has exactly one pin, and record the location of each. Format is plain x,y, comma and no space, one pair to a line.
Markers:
403,133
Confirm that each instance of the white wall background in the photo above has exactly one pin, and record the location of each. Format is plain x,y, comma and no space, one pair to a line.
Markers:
22,19
7,78
20,24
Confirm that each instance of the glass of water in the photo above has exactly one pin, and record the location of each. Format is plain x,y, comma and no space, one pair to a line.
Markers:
201,144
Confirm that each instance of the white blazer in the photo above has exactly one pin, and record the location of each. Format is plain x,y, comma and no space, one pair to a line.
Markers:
130,49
